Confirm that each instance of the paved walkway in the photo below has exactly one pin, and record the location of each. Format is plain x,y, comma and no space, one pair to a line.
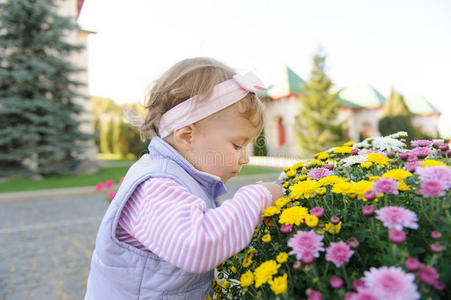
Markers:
46,242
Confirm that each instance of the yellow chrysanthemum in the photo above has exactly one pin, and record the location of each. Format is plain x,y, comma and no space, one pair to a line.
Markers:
331,180
349,144
271,211
311,221
343,188
233,269
265,272
293,215
366,165
297,165
247,279
291,173
300,177
286,184
433,163
247,261
279,284
281,202
333,229
322,155
304,189
397,174
343,149
378,159
403,186
266,238
282,257
359,189
373,178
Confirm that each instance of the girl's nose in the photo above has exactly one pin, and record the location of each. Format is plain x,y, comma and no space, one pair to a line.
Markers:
244,158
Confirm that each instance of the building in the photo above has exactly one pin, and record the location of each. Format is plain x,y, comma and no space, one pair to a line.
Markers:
361,109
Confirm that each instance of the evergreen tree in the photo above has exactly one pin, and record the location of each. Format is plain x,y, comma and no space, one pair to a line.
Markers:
396,117
317,128
39,130
259,146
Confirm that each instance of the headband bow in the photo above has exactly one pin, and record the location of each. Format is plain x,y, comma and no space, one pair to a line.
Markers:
224,94
249,82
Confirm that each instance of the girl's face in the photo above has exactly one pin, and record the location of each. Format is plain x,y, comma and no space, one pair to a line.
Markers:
219,145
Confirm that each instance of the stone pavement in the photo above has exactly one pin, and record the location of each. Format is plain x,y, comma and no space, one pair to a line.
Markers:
46,243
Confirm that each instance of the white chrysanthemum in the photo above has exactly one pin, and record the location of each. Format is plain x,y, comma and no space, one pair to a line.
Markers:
399,134
282,176
362,144
354,159
388,143
330,150
308,164
438,140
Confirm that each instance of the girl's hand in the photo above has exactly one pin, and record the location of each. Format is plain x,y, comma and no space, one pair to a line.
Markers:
275,189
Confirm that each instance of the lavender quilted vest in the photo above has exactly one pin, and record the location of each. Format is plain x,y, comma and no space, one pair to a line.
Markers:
120,271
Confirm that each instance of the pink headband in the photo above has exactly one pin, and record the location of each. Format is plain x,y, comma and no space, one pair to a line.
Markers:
224,94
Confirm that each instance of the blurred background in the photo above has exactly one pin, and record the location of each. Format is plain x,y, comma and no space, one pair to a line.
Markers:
335,71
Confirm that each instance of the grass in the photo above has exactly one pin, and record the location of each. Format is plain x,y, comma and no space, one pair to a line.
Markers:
114,173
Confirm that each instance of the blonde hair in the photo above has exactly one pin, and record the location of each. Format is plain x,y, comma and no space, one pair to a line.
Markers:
190,77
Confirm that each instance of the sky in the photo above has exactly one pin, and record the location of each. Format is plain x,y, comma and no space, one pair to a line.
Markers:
402,44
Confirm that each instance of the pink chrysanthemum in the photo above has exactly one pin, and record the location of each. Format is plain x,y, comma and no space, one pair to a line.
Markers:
386,185
396,236
440,173
336,282
413,165
365,294
319,173
428,275
404,155
317,211
421,143
287,228
314,295
338,253
412,264
306,241
431,188
397,217
391,283
422,151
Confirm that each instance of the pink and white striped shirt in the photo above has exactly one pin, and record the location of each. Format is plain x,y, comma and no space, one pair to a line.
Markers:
165,218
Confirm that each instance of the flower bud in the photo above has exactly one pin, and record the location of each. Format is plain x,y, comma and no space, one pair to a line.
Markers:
412,264
396,236
368,210
335,220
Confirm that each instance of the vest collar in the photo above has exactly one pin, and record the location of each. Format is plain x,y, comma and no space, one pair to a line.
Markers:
212,184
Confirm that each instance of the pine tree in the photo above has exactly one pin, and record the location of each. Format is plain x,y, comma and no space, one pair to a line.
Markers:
259,146
39,130
317,128
396,117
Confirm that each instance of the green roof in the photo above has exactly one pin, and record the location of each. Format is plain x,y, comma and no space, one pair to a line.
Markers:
418,104
294,82
265,93
361,96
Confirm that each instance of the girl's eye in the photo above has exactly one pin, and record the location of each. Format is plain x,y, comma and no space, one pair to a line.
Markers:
236,147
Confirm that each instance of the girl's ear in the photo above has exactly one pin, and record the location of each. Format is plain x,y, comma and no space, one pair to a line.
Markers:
184,137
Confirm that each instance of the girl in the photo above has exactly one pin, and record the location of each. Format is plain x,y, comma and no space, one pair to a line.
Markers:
163,234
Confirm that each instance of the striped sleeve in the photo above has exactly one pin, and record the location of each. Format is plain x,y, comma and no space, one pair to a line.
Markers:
176,225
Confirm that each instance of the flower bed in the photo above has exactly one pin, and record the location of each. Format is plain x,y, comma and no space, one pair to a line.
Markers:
360,221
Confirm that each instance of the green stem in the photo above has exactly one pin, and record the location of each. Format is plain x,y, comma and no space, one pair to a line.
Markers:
345,275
